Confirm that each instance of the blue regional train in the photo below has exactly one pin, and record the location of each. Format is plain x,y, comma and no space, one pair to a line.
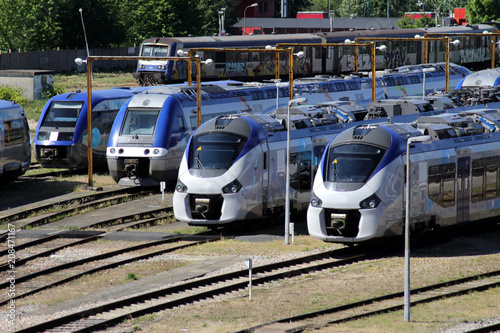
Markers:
15,141
151,130
359,190
61,139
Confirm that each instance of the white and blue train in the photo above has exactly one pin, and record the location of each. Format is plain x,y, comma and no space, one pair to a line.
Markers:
359,190
15,141
151,130
234,167
61,138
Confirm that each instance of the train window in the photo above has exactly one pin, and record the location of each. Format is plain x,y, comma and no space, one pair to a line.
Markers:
477,184
62,114
301,171
390,81
353,85
448,185
491,181
140,121
317,52
154,51
441,184
215,151
220,57
329,87
231,56
271,93
352,163
434,183
255,56
14,132
411,47
366,84
244,57
284,92
340,86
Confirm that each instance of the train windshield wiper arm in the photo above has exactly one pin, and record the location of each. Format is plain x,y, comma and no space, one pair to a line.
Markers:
198,162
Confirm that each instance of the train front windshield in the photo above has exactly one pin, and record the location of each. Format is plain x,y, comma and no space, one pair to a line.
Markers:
154,51
352,163
140,121
62,114
214,151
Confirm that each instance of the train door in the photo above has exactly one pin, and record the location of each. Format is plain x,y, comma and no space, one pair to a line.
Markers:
463,189
265,176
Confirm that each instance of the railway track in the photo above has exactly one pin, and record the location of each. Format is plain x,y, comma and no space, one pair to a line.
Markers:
379,305
115,312
42,279
62,208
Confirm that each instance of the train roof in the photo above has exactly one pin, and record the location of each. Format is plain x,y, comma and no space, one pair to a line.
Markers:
475,28
484,78
10,110
97,94
452,125
8,105
234,40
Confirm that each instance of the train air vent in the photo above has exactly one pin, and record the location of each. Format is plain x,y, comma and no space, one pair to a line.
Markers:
222,122
213,89
360,132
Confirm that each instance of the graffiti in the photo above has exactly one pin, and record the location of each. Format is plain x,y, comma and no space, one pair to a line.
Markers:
236,69
395,58
265,67
474,55
347,62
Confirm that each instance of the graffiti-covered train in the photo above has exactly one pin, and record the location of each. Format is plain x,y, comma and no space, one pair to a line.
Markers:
15,141
473,50
150,132
359,190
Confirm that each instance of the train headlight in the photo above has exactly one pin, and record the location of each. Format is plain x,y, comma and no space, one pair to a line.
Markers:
112,150
142,66
180,187
156,151
232,187
370,202
315,201
161,67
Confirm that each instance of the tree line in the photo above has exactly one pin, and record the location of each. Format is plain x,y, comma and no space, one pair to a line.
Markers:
30,25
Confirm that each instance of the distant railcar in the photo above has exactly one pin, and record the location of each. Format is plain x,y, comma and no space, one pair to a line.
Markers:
15,141
473,50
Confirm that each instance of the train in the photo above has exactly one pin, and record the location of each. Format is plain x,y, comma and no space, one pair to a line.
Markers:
234,167
61,137
359,190
15,141
474,51
152,129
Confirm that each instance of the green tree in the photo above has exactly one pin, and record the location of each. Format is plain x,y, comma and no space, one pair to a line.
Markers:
28,25
422,22
295,6
482,11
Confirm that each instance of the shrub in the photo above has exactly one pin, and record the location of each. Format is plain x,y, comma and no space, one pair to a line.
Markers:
13,94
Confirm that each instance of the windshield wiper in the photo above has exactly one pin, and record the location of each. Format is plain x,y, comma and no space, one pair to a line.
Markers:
198,162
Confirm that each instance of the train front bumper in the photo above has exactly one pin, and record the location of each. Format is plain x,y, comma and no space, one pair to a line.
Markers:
207,209
350,226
